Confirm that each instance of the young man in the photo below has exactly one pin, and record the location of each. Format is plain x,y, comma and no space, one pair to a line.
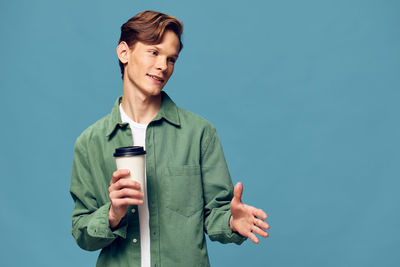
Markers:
188,190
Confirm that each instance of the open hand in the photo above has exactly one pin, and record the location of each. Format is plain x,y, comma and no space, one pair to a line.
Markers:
247,220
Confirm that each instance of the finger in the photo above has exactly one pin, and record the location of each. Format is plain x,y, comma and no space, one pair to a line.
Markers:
128,183
261,224
259,231
126,193
260,213
124,183
238,191
126,202
253,238
118,174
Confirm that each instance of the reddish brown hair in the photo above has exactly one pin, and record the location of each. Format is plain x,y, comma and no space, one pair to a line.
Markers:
149,27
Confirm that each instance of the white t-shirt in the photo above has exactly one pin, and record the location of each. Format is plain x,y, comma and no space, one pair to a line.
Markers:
139,139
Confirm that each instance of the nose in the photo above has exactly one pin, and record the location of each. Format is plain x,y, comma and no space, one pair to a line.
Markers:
162,64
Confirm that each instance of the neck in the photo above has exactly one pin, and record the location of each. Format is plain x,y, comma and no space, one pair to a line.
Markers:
139,107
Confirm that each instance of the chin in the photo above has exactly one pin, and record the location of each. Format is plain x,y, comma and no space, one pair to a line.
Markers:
154,92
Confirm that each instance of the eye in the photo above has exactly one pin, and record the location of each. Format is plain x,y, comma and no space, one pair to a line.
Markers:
172,60
153,52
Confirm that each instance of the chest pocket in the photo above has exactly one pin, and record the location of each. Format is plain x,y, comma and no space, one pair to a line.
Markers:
183,189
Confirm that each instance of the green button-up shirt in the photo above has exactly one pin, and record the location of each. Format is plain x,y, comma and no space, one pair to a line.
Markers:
188,185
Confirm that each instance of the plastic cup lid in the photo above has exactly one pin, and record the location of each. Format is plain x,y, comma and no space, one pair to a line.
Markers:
128,151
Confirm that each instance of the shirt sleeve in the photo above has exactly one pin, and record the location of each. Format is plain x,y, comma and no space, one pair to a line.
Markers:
218,192
90,225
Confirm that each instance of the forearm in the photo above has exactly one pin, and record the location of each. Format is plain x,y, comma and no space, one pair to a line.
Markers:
92,231
218,228
218,193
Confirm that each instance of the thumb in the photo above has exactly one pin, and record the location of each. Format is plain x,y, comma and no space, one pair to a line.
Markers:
237,191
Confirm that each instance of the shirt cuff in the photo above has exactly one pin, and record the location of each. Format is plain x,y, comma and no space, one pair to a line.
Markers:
235,237
99,225
225,234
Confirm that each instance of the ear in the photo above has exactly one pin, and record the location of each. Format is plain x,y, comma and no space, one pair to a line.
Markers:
122,52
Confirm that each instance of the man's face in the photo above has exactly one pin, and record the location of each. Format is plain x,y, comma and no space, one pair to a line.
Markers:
149,67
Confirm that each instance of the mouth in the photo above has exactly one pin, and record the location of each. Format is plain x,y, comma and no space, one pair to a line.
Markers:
156,78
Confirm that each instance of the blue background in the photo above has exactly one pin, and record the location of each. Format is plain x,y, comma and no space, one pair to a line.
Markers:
304,94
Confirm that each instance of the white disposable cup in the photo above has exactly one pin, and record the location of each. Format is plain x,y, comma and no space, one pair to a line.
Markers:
132,158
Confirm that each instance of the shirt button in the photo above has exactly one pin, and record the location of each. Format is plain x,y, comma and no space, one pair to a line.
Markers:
134,240
133,210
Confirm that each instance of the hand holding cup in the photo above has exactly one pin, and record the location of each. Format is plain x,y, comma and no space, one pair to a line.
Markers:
127,184
123,192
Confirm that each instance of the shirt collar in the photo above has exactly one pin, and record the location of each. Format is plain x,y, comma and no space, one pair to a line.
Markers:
167,111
